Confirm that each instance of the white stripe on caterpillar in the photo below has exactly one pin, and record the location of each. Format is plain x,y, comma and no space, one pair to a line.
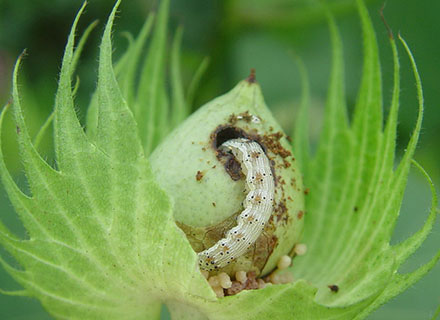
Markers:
258,205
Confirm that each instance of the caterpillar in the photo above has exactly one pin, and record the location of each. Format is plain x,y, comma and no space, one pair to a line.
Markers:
258,205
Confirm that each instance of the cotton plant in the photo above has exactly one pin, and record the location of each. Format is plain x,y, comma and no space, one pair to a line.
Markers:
109,225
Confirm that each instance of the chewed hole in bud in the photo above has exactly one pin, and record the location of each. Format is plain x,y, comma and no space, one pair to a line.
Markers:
225,133
219,136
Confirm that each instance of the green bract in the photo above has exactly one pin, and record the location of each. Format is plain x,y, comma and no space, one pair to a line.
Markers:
102,239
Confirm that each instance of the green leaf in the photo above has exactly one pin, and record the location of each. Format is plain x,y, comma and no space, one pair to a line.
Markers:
149,106
301,146
77,54
98,225
356,194
126,69
401,282
82,41
180,109
195,81
126,73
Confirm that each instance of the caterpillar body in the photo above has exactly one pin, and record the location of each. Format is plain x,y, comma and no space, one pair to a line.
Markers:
258,205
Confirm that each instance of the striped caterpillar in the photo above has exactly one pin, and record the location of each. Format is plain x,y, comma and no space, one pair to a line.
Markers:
258,205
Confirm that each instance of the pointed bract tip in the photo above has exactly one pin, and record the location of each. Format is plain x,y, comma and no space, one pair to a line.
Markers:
382,16
252,77
22,54
6,106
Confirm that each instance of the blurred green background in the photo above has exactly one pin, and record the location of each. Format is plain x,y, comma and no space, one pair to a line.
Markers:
237,36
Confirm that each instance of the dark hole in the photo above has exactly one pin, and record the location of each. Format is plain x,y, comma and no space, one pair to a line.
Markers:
227,133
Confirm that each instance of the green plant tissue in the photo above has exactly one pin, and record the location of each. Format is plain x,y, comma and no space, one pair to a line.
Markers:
107,226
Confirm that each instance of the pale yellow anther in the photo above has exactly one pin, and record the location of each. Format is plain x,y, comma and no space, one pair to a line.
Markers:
241,276
284,262
275,278
225,280
261,283
219,292
300,249
214,281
